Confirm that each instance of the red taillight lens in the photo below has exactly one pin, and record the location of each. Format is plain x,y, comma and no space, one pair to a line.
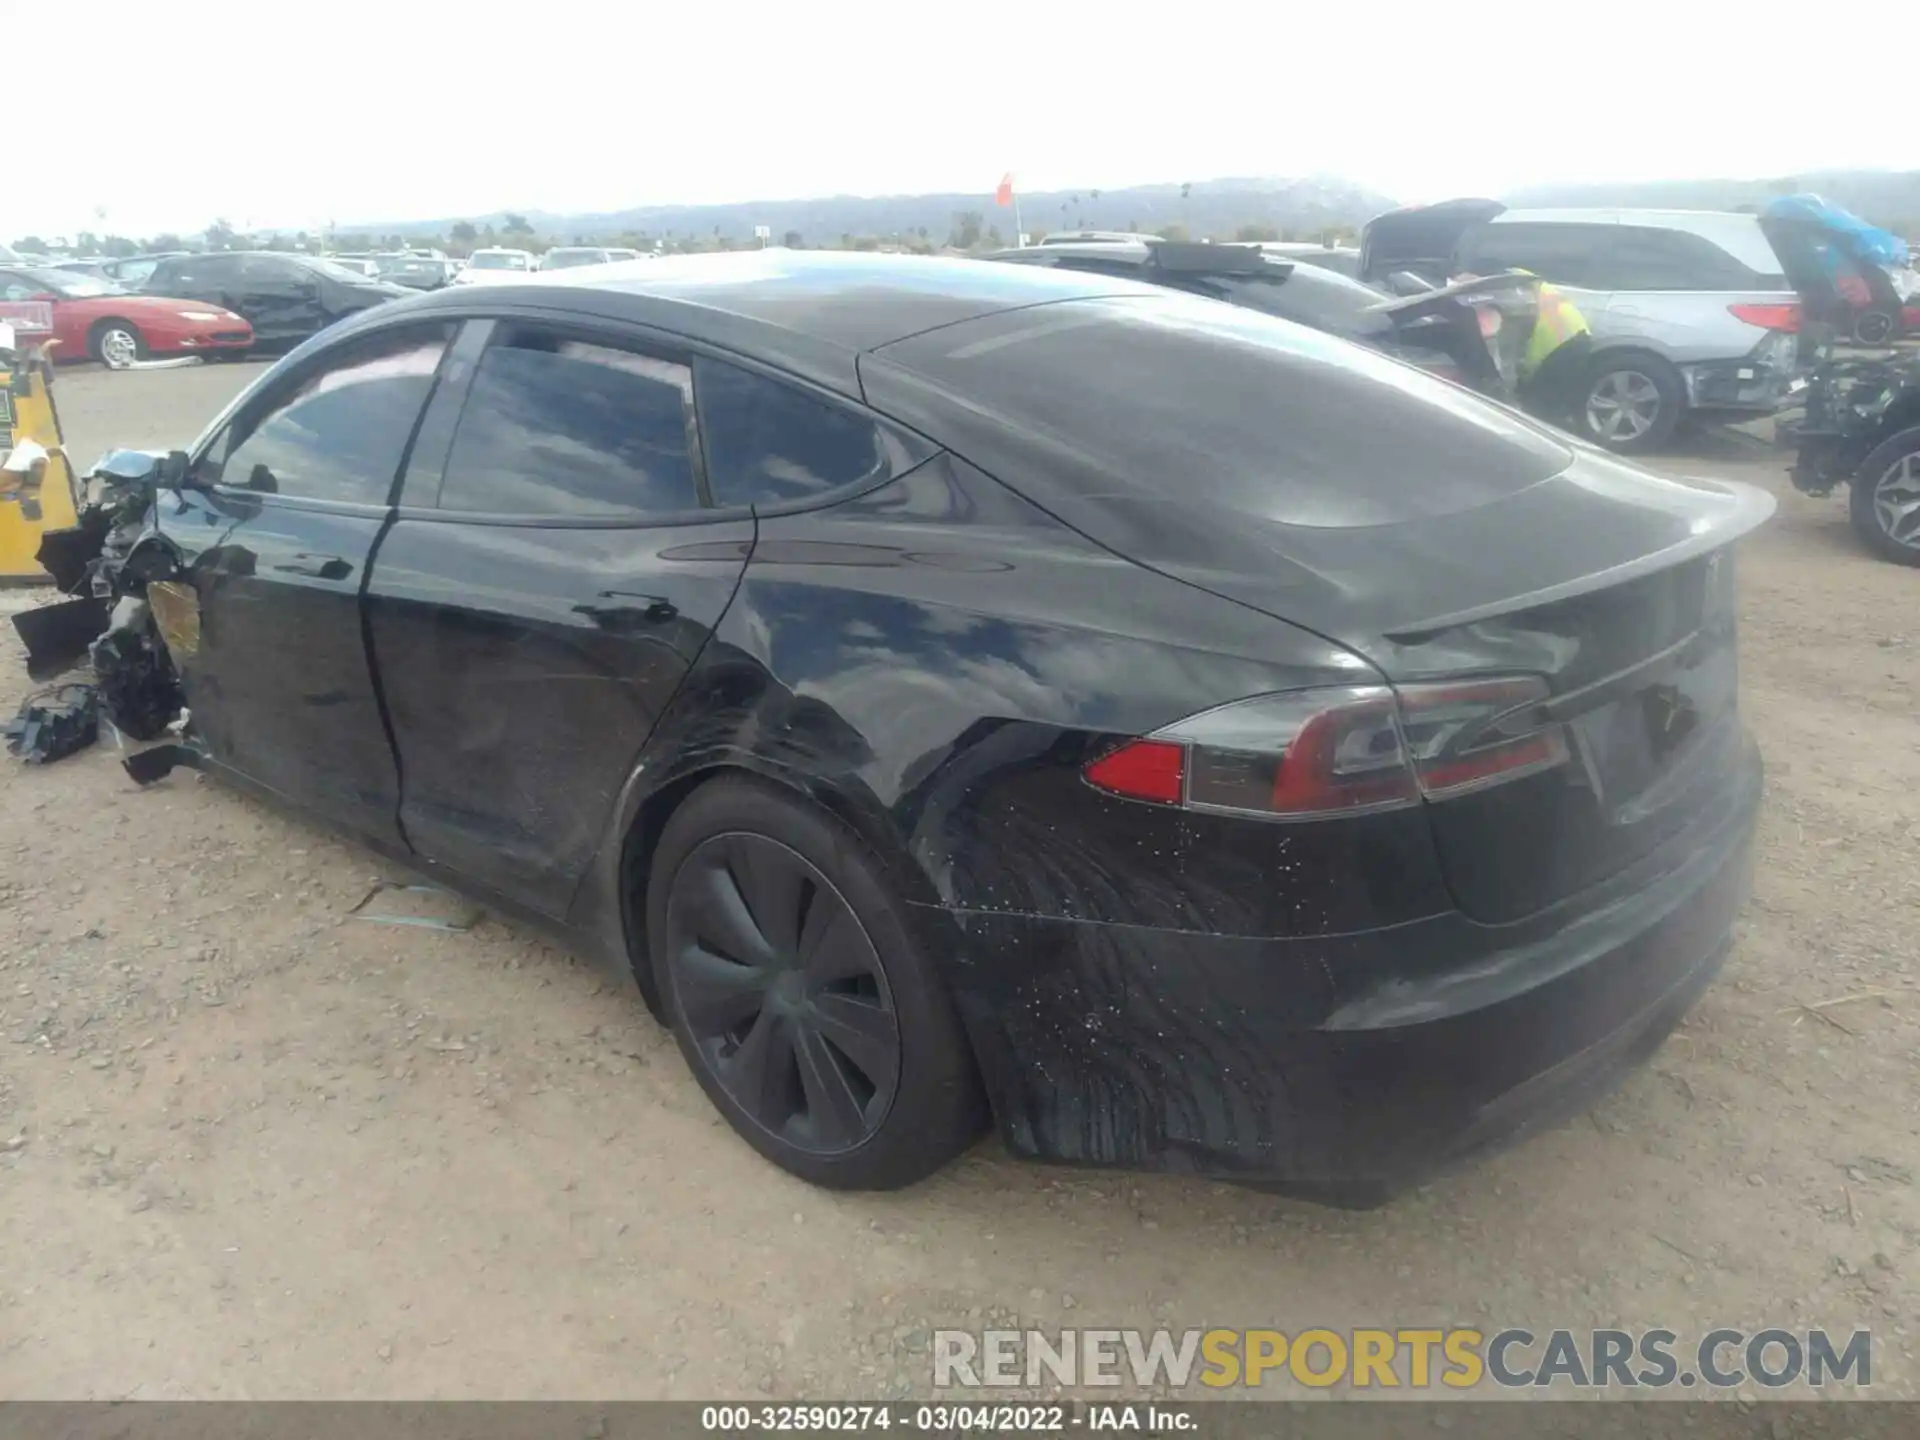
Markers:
1317,753
1784,316
1143,770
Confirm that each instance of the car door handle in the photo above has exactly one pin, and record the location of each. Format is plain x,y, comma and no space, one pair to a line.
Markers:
317,567
616,610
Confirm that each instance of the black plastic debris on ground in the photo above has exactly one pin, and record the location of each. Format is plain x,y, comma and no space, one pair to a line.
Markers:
159,761
54,723
57,635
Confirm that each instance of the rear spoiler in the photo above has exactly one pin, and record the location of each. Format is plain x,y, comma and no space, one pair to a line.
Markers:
1727,510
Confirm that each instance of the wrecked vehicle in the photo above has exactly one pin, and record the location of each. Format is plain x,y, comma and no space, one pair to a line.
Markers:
962,690
1472,333
1861,429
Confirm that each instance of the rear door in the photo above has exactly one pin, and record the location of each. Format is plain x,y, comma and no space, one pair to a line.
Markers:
277,550
212,278
553,572
282,298
1674,292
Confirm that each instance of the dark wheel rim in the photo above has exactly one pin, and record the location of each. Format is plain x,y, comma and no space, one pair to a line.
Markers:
1873,327
782,991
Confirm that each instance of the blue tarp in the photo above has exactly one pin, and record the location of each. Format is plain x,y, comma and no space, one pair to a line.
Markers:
1856,236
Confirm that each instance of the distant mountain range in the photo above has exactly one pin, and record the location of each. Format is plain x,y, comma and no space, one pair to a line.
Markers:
1886,197
1209,207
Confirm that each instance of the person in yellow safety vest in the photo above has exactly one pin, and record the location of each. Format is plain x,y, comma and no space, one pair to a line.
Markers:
1552,372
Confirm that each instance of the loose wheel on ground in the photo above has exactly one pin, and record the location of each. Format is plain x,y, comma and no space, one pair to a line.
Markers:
1632,402
801,993
1883,499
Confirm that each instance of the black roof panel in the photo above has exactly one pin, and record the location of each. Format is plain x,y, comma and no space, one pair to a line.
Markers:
854,300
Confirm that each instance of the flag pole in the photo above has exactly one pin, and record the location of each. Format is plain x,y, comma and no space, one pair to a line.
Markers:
1019,230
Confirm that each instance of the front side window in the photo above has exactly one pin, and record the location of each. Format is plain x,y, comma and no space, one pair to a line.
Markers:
343,432
567,428
770,443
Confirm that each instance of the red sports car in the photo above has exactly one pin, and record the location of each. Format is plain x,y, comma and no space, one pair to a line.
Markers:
96,319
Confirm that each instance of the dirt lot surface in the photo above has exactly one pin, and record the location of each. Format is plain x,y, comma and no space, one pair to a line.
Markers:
259,1149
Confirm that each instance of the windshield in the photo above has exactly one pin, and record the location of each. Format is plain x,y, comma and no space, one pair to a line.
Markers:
497,260
67,285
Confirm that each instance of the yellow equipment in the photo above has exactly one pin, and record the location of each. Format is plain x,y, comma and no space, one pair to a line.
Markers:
36,480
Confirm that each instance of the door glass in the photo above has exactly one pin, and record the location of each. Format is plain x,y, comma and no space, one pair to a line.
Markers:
561,427
342,433
1640,258
769,443
1559,253
132,273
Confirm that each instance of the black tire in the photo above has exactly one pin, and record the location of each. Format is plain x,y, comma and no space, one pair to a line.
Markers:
1619,385
1864,491
738,847
115,343
1873,327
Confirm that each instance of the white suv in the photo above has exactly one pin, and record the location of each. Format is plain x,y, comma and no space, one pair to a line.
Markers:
1691,310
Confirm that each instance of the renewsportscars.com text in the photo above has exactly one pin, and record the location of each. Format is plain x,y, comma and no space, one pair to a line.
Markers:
1403,1358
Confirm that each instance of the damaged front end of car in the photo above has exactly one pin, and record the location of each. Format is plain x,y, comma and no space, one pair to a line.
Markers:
131,612
1852,406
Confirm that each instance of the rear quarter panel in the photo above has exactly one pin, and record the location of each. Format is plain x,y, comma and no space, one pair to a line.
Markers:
935,661
1684,326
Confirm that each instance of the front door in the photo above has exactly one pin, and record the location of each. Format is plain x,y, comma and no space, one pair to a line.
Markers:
542,595
281,299
277,548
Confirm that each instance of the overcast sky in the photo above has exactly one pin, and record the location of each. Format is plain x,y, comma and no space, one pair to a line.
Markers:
277,115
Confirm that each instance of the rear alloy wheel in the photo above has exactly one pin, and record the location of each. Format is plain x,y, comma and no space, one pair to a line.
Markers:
1884,499
1632,404
809,1011
117,344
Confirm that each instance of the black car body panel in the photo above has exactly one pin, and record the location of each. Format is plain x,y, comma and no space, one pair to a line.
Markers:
1031,573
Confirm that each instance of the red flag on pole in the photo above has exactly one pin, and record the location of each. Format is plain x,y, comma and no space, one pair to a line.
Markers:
1004,195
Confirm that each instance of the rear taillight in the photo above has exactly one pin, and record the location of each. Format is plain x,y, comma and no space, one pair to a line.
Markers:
1315,753
1784,316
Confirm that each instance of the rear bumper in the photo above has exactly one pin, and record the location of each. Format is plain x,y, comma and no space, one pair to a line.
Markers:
1739,386
1344,1067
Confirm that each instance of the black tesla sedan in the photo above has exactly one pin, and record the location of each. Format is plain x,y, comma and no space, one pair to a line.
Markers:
961,689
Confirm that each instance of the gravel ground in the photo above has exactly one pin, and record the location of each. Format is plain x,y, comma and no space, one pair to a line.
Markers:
260,1150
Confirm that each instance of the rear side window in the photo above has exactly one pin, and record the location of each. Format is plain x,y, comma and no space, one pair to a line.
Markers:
568,428
1560,253
342,433
1162,403
1643,258
769,443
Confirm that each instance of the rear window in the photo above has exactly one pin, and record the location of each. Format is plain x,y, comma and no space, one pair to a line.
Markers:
1172,399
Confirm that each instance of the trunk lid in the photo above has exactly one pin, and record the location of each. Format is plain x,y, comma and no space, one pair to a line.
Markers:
1435,535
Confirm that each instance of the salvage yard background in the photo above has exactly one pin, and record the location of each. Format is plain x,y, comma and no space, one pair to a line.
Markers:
254,1148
